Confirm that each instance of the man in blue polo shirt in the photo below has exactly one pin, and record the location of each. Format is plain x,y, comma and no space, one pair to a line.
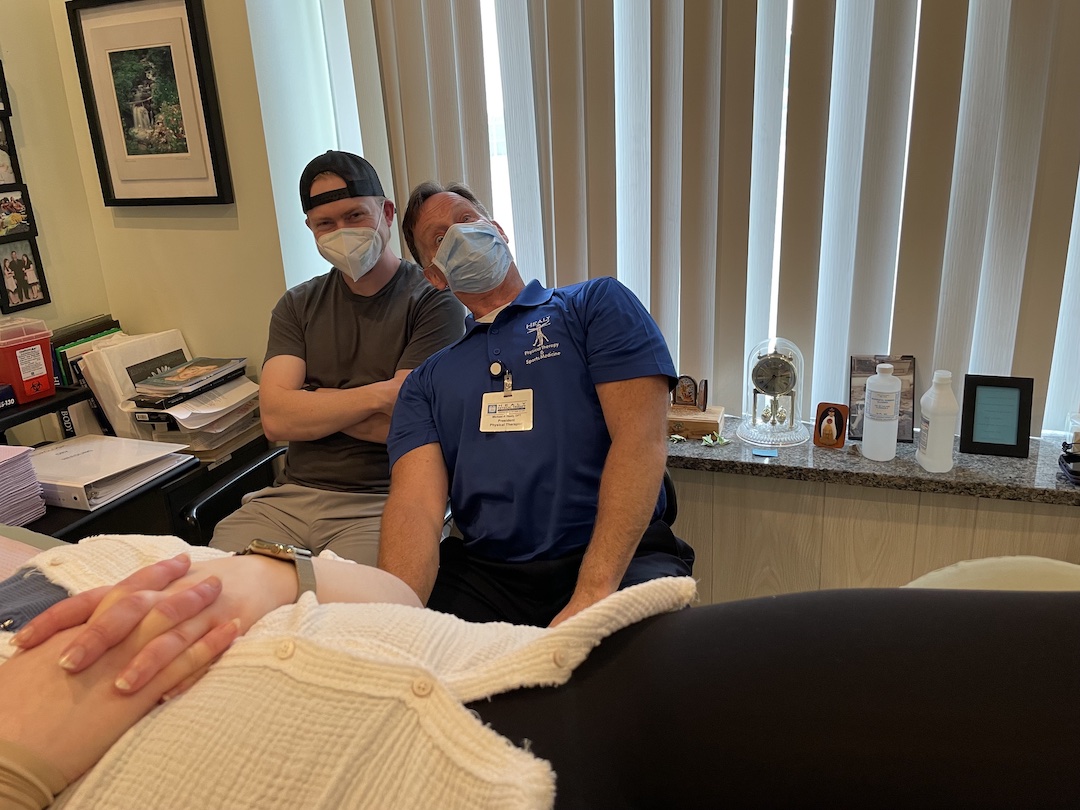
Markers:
547,426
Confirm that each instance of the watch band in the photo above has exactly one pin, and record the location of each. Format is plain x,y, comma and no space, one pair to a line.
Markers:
299,556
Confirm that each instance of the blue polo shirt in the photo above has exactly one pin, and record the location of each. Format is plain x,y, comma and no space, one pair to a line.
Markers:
531,495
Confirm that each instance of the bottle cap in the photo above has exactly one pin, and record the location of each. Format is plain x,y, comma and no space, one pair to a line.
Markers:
884,368
942,376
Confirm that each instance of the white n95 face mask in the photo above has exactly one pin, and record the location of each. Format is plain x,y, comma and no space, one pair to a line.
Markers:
473,256
353,251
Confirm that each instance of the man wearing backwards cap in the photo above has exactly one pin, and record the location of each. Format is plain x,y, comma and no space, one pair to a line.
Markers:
340,346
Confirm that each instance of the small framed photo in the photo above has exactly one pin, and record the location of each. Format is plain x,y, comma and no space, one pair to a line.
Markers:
831,424
5,101
685,391
864,366
24,279
16,218
151,102
9,161
996,417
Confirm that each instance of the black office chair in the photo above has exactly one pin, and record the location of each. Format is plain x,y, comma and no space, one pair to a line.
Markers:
202,514
671,511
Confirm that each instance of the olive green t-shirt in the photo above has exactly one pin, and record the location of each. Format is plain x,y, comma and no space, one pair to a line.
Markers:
348,340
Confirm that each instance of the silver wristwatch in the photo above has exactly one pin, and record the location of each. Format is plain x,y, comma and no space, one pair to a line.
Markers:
299,556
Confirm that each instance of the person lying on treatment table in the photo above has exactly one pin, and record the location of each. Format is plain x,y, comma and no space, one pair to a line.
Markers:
888,697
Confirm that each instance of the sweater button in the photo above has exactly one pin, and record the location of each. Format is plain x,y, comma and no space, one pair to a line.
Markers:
559,658
56,561
421,687
285,649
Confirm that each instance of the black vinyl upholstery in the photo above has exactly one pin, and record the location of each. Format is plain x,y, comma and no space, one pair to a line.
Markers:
843,698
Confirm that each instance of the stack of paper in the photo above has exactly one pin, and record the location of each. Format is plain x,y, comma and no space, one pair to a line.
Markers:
21,500
208,421
212,410
90,471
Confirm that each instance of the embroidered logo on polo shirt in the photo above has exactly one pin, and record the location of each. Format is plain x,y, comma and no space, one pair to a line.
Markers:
543,348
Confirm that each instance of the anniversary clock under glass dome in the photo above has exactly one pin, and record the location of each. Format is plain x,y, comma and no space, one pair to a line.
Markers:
773,399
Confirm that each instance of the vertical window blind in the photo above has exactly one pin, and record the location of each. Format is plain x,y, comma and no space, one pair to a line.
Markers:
857,176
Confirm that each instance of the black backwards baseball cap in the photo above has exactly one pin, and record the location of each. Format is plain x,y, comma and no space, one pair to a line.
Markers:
360,178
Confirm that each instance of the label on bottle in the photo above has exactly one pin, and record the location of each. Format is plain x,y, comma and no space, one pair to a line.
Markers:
882,406
924,434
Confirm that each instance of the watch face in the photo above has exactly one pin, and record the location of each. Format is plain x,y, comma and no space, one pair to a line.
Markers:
773,375
282,551
268,548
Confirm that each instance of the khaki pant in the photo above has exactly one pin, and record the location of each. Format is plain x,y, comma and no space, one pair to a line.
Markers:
347,523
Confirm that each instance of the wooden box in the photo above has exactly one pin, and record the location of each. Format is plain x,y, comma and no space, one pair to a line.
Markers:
691,422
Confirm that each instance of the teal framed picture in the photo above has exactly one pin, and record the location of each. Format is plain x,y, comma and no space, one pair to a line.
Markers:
996,417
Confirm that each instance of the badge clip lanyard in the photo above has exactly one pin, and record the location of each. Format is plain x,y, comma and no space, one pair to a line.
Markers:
498,368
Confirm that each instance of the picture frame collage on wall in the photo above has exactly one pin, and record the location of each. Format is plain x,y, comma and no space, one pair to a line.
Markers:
24,284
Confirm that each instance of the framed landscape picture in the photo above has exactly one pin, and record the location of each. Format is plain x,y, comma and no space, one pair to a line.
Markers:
24,278
151,102
864,366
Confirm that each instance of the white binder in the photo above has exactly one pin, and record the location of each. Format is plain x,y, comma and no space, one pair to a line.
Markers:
88,472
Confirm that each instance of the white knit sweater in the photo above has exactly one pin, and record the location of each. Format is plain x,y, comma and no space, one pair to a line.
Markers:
340,705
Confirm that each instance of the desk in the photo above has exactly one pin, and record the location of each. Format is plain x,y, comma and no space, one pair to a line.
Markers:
153,508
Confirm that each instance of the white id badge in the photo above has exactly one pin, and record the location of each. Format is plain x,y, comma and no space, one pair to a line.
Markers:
507,412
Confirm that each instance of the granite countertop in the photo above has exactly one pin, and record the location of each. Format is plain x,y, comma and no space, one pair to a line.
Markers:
1037,478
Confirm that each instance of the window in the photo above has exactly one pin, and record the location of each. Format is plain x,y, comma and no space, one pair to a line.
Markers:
857,176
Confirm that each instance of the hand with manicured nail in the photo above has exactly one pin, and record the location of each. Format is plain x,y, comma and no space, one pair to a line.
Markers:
168,606
70,719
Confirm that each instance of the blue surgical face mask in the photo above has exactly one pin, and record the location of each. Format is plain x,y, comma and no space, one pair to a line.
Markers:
473,256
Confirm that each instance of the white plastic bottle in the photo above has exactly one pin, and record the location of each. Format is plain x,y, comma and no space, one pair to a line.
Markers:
939,411
881,415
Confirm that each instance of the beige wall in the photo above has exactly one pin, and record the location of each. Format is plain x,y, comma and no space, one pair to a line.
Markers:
214,272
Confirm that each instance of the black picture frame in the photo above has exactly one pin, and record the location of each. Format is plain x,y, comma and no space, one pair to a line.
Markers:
26,227
996,418
147,78
5,99
7,146
13,299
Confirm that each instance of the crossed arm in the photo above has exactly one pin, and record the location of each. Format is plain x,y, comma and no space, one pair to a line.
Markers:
290,413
